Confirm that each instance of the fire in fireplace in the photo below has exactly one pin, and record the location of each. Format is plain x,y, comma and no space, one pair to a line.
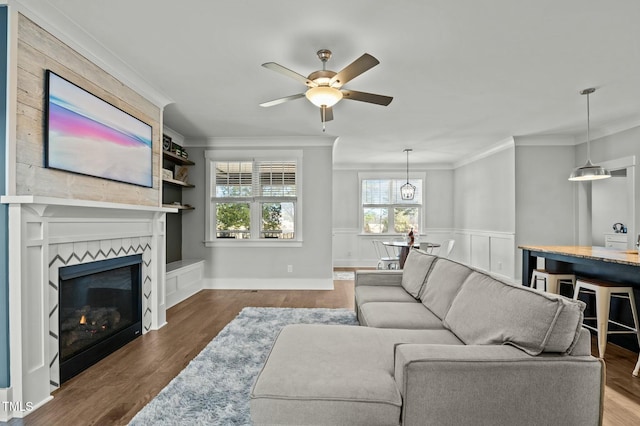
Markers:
100,310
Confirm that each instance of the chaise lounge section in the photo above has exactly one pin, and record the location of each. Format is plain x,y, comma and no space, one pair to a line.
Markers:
439,343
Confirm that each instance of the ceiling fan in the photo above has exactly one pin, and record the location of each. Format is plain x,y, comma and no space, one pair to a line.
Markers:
325,86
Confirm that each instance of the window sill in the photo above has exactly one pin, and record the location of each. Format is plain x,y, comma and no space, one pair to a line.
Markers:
237,243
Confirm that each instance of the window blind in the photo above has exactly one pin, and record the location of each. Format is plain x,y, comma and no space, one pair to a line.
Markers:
387,191
255,178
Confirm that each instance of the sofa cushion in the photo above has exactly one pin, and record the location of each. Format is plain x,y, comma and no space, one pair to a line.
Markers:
489,312
443,283
398,315
324,374
379,293
566,330
334,374
415,270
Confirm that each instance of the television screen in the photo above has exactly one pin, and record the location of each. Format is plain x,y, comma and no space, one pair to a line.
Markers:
87,135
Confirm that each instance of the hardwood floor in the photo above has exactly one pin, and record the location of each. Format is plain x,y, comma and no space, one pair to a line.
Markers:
115,389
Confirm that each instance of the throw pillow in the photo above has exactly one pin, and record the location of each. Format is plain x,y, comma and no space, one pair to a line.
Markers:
489,312
415,271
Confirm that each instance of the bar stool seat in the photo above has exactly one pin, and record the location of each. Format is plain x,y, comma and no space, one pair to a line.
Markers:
550,281
604,291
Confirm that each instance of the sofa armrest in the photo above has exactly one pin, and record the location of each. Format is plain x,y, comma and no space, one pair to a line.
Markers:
378,277
472,385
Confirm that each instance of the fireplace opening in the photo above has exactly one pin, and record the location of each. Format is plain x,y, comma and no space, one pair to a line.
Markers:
100,310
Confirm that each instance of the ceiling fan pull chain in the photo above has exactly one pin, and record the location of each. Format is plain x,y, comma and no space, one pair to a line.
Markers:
324,118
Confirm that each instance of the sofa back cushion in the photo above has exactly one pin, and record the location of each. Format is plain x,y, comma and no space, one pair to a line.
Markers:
489,312
415,271
443,283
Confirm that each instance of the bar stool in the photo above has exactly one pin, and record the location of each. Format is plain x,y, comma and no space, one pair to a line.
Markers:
604,291
550,281
637,369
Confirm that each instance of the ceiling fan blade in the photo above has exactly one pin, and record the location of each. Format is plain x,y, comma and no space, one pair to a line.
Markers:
282,100
326,114
286,71
372,98
354,69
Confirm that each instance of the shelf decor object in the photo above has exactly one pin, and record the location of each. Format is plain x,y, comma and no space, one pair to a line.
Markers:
179,178
589,171
87,135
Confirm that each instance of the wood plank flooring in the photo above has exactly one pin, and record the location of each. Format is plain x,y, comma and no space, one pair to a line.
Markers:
115,389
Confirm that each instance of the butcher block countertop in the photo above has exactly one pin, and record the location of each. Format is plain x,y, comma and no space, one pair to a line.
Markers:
605,254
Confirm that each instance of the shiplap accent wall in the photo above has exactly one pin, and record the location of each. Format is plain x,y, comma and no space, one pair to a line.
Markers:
37,51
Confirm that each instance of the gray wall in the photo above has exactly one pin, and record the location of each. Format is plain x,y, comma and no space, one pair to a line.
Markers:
484,193
351,248
608,206
438,191
544,196
608,148
311,261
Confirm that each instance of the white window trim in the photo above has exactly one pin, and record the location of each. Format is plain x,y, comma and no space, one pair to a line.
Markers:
389,175
213,155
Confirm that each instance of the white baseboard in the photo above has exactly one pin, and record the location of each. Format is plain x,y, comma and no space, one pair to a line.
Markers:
268,283
355,263
20,408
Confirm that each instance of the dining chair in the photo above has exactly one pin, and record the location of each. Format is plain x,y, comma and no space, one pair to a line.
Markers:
446,248
386,260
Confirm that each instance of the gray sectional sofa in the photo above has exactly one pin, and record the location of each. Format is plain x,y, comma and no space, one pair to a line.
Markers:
439,344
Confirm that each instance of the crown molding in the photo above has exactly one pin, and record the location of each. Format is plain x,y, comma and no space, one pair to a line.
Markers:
491,150
390,168
69,32
545,140
262,142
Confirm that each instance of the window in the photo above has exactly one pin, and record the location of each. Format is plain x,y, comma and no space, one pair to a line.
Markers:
253,199
383,209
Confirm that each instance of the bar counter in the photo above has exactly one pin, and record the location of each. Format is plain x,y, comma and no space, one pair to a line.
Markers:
601,263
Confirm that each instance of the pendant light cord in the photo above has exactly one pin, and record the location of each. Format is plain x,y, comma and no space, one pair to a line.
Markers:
588,132
407,151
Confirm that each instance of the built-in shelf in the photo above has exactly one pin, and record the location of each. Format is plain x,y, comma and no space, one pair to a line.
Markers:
179,207
178,183
177,159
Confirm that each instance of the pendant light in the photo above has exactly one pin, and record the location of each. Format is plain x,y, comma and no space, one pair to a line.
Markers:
407,191
589,171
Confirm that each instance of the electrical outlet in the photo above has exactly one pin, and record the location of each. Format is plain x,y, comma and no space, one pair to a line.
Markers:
289,268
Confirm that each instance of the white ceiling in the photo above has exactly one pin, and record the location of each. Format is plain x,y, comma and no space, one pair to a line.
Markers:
465,74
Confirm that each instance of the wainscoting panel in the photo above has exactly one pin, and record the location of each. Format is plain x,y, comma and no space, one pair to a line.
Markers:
351,248
462,250
481,252
492,252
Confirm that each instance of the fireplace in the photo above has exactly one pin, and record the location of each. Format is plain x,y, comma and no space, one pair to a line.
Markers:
100,310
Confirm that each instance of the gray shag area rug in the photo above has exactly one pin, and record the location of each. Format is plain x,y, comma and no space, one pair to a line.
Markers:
214,388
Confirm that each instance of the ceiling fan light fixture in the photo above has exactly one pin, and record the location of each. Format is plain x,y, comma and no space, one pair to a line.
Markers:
323,96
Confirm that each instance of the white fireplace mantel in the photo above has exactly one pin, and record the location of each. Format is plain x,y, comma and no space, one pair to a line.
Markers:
46,233
48,202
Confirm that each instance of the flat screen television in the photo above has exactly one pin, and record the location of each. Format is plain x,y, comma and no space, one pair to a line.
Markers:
87,135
